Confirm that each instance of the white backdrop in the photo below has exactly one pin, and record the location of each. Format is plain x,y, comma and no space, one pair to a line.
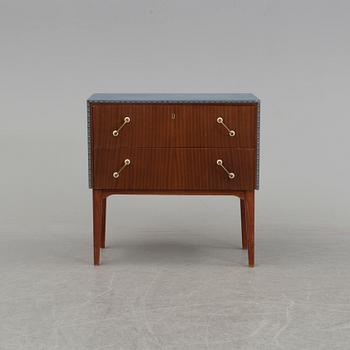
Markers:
294,55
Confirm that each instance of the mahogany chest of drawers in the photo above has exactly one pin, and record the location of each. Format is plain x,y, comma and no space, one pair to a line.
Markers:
201,144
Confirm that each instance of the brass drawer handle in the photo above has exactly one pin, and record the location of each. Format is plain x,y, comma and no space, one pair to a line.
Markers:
220,120
126,121
117,173
220,163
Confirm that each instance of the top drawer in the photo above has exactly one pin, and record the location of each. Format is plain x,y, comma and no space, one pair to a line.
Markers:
173,125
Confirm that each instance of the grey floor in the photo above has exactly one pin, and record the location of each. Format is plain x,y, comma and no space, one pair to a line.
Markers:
174,277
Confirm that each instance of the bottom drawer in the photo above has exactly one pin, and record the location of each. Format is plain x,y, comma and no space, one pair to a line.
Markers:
174,169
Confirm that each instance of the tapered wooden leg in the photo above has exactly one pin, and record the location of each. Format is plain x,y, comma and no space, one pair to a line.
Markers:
103,229
249,213
97,203
243,225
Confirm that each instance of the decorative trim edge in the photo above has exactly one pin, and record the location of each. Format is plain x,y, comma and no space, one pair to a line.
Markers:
258,126
89,143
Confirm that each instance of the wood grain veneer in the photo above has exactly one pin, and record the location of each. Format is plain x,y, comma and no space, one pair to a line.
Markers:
152,125
174,169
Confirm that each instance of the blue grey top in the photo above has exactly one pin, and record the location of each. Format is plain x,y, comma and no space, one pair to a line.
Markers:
173,98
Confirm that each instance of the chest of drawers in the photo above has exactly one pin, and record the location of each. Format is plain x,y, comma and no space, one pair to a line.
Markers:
200,144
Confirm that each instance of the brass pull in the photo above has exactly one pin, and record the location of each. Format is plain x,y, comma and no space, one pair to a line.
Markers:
117,173
220,120
126,121
220,163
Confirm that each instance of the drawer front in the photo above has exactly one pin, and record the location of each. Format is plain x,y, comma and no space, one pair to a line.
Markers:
174,125
149,125
201,125
174,169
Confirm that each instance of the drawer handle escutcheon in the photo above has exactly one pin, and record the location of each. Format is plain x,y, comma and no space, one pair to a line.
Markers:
117,173
230,175
126,121
220,120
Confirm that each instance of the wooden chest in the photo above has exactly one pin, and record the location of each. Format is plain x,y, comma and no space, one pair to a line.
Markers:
174,144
